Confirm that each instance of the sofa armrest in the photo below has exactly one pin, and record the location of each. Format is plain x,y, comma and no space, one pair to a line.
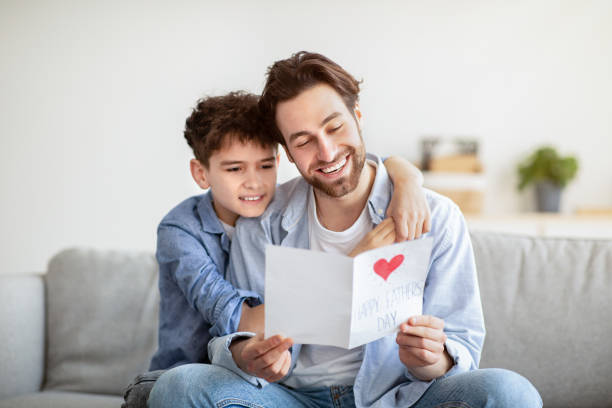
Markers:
22,333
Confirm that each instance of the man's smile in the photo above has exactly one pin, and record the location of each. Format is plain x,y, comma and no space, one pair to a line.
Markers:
335,168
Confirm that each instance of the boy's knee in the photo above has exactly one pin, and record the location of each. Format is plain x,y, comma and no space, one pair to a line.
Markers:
505,388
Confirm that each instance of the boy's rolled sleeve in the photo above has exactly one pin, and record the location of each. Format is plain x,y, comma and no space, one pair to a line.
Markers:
220,354
197,276
229,311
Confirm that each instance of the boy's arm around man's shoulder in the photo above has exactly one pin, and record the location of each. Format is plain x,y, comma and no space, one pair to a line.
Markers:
188,262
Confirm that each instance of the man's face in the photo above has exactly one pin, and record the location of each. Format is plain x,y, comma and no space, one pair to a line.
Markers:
323,139
242,178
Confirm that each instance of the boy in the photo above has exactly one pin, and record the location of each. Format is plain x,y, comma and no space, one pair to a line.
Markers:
237,160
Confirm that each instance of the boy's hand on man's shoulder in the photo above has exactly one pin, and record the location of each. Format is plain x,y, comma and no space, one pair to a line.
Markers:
382,235
410,211
269,358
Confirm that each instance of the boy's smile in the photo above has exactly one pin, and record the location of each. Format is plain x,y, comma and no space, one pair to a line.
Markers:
242,178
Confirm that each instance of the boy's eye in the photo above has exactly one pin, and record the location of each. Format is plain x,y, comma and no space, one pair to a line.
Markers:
233,169
268,166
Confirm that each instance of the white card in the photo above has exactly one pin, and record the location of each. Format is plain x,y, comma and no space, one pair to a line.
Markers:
335,300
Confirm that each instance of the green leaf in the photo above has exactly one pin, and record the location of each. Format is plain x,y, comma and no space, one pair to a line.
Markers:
545,164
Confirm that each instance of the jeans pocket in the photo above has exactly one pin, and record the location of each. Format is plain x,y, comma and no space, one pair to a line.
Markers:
237,402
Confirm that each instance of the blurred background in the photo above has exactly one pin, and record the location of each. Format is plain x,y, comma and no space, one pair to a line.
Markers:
94,96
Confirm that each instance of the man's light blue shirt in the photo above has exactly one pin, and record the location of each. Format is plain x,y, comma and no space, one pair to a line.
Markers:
451,289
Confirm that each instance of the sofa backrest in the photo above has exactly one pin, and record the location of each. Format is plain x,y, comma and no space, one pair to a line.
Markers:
547,307
102,317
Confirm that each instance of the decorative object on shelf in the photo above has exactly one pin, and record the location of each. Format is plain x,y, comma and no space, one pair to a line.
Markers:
428,145
452,168
550,173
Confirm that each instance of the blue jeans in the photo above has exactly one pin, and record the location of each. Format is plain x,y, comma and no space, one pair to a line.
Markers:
485,388
203,385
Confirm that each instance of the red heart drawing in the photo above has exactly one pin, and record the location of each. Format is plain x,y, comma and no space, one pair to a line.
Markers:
384,268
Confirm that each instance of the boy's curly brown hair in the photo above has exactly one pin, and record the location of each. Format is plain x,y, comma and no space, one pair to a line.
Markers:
218,120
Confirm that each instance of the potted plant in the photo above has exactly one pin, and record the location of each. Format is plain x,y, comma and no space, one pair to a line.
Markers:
550,173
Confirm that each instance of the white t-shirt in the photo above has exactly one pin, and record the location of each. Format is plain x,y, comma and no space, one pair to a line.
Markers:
320,366
229,230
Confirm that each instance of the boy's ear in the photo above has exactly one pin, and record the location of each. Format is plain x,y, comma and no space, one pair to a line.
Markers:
277,159
198,172
288,154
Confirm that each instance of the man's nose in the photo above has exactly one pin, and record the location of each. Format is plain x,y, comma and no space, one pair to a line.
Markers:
327,149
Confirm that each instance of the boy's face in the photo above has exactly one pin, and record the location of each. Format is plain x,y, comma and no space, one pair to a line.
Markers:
323,139
242,178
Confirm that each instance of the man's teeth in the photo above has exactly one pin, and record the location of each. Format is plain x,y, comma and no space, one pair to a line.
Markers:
334,168
254,198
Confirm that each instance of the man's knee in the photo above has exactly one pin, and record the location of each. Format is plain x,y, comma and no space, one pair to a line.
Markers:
505,388
179,385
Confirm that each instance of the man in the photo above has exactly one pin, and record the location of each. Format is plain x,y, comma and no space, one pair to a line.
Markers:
311,104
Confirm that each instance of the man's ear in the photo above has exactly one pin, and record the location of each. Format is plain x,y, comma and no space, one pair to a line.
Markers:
198,172
277,159
288,154
358,115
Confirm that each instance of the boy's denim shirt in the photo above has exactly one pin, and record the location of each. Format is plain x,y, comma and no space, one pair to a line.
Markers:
451,289
196,301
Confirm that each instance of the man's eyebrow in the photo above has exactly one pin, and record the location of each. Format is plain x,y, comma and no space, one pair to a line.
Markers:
330,117
304,132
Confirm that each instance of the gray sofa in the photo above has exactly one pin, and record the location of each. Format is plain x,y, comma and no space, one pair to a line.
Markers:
77,335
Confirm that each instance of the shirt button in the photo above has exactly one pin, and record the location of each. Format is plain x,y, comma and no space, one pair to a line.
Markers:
380,211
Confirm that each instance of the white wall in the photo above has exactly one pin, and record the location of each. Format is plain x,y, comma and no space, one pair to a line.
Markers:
94,96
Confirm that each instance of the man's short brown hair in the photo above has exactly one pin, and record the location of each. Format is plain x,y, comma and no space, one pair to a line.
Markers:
217,120
288,78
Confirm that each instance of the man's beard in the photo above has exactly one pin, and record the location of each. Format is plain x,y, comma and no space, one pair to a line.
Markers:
344,185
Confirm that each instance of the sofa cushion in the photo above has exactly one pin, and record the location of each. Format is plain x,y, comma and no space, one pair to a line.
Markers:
102,316
59,399
22,333
547,312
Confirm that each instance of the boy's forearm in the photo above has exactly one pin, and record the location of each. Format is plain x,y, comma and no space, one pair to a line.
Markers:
252,319
401,170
